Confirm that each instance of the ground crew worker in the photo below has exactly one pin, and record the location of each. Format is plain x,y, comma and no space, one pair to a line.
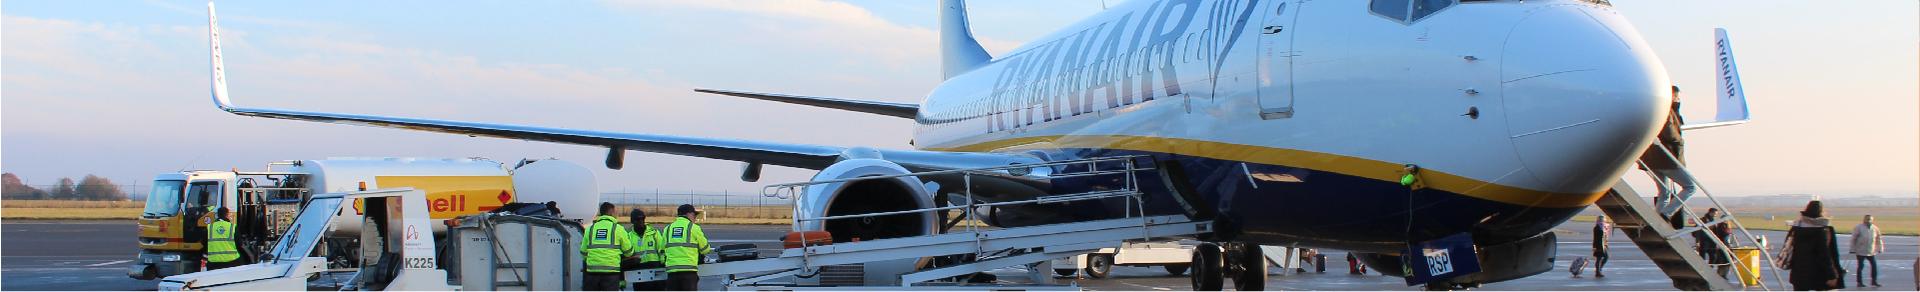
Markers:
607,242
220,251
648,257
684,246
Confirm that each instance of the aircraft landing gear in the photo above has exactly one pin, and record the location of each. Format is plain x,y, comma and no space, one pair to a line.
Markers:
1251,267
1207,266
1213,262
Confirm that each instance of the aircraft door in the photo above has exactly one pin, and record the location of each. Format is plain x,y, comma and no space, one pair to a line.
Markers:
1276,59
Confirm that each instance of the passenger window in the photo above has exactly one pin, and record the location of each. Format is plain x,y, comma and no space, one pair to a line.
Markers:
1391,9
1423,8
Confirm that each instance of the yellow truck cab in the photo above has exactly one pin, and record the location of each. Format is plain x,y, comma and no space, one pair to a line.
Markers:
172,226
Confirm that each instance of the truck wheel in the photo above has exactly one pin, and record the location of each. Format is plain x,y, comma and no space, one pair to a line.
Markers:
1098,265
1206,268
1175,270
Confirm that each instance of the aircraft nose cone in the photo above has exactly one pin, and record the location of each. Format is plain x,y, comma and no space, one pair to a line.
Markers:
1583,95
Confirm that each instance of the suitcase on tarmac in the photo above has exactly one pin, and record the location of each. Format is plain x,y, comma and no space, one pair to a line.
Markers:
1320,263
737,252
1579,265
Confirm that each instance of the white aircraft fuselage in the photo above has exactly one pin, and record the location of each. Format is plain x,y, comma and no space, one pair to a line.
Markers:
1286,121
1297,119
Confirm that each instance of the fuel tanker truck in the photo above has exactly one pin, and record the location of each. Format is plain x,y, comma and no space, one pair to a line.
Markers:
262,204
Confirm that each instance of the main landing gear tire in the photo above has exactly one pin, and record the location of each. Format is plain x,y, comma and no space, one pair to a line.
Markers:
1098,265
1252,274
1207,267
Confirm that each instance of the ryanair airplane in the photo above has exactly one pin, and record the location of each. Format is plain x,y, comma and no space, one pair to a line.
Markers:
1285,122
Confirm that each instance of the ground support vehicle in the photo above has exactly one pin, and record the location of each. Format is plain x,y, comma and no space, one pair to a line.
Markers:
1173,256
262,203
486,251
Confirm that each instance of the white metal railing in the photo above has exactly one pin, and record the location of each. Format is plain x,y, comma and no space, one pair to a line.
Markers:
1125,167
1670,197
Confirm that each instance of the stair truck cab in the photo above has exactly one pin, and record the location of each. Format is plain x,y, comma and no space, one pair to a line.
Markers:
262,204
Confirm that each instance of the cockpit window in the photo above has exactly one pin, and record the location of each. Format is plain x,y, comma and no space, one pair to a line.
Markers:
1409,11
1391,9
1423,8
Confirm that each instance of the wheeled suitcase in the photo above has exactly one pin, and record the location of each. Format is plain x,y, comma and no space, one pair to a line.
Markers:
1579,265
737,252
1319,263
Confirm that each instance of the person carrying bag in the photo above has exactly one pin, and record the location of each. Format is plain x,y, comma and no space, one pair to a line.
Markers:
1811,258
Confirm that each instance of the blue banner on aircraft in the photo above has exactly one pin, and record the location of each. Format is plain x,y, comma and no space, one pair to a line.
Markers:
1440,259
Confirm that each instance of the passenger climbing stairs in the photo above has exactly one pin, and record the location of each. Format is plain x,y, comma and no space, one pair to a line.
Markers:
1669,248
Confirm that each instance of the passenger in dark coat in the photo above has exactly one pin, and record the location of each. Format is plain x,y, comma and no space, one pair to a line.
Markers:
1815,263
1708,249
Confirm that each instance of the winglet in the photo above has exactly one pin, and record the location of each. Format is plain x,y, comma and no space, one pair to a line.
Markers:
959,51
1730,97
219,68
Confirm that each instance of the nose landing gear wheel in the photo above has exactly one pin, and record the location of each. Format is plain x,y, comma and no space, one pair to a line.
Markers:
1252,274
1207,268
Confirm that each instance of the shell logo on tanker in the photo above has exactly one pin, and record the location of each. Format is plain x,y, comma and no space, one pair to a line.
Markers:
452,196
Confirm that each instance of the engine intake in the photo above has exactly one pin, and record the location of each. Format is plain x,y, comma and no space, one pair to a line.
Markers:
866,197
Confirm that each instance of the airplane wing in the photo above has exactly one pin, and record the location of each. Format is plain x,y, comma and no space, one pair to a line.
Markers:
752,152
872,107
1731,98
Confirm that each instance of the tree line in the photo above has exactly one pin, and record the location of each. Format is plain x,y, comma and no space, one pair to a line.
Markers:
89,188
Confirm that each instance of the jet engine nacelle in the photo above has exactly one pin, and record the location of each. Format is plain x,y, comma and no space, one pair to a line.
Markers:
865,197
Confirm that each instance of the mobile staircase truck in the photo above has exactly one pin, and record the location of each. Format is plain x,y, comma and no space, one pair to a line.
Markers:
1667,246
928,261
485,251
172,227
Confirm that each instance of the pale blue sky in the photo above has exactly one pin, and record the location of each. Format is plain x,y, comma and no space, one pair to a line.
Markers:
119,88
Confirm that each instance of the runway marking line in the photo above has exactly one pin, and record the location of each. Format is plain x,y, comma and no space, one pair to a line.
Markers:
110,263
1145,286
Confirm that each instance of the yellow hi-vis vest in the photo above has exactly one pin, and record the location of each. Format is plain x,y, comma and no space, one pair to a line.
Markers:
607,242
649,241
683,246
220,242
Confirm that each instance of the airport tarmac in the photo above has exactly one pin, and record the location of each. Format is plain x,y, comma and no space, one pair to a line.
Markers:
93,255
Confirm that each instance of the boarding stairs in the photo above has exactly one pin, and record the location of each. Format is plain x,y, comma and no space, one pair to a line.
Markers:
991,248
1668,247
